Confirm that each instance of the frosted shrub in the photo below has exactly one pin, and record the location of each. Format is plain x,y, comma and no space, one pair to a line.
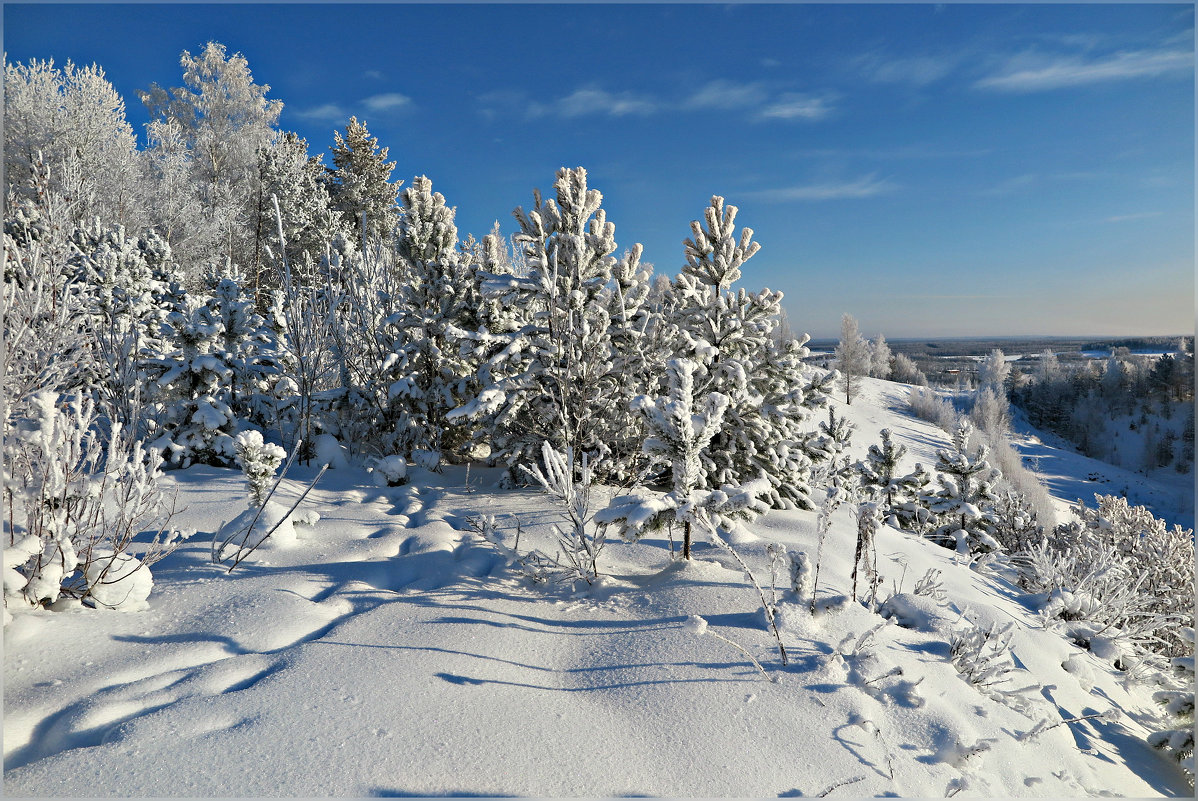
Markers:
927,405
1121,573
1178,706
76,502
983,658
581,544
391,470
259,461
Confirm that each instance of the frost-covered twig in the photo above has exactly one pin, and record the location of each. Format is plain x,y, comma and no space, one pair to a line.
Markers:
841,783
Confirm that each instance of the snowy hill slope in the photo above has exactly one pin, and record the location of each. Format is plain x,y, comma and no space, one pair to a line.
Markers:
391,652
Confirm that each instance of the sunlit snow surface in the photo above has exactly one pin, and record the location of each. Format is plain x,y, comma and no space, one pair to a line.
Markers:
386,651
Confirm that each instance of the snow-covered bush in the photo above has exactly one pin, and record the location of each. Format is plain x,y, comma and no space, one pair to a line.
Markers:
1118,575
983,658
1177,706
391,470
927,405
75,499
118,581
259,461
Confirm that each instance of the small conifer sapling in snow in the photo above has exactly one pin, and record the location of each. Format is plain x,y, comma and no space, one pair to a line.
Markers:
259,460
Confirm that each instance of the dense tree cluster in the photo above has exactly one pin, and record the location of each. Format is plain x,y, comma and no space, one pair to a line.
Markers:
221,281
1084,402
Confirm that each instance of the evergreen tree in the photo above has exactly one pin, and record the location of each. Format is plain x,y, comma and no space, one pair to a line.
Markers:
879,471
964,505
438,299
194,421
548,373
119,277
730,334
361,182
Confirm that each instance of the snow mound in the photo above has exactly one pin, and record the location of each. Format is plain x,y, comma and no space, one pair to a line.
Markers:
119,581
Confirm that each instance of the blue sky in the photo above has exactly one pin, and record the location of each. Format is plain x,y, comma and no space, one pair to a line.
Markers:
934,170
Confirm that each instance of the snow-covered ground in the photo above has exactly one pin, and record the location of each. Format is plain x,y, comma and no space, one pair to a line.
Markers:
388,651
1070,476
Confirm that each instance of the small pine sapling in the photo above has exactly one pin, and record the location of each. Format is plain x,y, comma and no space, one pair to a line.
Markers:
259,461
581,545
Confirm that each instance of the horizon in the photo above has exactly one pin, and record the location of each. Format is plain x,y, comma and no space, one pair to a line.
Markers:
931,170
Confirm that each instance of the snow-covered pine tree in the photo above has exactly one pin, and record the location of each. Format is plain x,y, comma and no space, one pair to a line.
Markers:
119,278
550,377
852,357
964,504
679,432
193,421
361,182
310,223
638,355
243,337
439,298
912,500
730,334
879,471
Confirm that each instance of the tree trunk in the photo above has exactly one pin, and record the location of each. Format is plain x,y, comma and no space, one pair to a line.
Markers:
686,540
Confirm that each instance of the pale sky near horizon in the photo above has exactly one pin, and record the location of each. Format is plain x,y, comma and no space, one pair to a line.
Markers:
933,170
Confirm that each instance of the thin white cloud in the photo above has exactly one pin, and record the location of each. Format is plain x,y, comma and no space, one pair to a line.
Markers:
1035,72
915,71
724,94
592,101
796,106
386,101
892,154
1143,215
375,74
1011,185
330,112
866,186
755,99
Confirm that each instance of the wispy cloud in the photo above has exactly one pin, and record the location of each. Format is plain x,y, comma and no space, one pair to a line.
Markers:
386,101
1138,216
796,106
892,154
1036,72
723,94
592,101
918,71
1011,185
373,74
866,186
755,99
329,112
